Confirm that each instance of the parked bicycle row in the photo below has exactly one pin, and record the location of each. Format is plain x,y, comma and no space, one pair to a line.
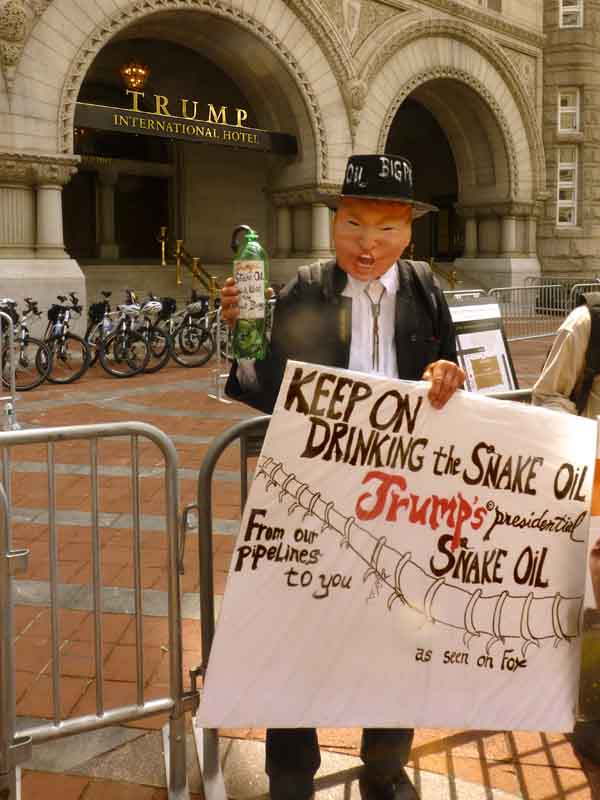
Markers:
131,338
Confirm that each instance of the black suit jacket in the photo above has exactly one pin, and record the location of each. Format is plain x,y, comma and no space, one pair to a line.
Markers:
313,323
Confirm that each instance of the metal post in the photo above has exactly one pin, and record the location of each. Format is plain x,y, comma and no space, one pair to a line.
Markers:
9,416
12,751
207,740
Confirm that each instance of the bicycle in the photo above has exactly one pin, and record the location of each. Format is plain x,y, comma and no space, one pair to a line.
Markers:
70,353
124,352
192,341
159,341
32,358
99,327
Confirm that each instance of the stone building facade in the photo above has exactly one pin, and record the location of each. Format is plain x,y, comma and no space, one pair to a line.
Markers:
457,85
569,236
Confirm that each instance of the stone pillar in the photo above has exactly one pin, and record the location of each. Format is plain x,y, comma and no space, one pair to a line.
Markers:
17,201
321,230
471,243
284,231
108,248
508,236
531,237
50,179
302,230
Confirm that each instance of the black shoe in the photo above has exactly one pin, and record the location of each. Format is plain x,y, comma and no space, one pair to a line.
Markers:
289,786
586,740
399,788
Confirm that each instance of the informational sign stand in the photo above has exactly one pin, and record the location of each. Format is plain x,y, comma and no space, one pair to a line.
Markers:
481,343
403,566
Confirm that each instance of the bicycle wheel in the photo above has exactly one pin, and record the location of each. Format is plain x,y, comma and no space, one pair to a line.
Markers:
93,338
124,354
32,364
193,346
160,345
70,358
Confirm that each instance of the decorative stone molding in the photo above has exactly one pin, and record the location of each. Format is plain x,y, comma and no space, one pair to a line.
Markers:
491,52
321,29
33,169
356,95
526,68
327,33
305,195
497,210
358,18
17,18
496,22
373,15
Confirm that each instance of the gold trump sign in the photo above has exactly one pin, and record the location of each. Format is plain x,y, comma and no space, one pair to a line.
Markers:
216,129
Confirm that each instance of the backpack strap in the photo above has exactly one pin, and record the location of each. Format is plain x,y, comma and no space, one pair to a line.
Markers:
582,389
424,280
319,274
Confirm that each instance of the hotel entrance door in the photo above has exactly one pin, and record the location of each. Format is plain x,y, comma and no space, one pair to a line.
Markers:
141,207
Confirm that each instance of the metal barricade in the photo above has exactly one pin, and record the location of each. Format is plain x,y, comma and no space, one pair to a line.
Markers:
580,288
177,702
219,375
9,415
517,395
532,312
250,434
14,750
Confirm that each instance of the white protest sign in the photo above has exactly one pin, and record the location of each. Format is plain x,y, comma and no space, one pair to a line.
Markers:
402,566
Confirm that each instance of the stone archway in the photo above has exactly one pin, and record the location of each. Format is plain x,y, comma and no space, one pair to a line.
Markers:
311,77
304,65
482,109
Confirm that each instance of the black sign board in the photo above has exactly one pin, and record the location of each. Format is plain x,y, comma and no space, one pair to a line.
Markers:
481,344
122,120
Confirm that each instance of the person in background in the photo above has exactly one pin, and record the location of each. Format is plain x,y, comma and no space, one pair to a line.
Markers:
563,386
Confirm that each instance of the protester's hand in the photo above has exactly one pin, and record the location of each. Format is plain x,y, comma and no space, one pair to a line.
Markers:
230,302
230,296
445,377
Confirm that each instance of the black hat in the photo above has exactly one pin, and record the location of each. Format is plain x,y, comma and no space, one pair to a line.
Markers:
382,177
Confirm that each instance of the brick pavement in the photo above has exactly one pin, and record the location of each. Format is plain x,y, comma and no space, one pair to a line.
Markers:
533,766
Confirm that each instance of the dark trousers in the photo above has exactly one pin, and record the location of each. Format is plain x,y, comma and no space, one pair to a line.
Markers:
292,758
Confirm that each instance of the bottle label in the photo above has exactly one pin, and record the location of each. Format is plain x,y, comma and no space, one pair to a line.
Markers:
250,281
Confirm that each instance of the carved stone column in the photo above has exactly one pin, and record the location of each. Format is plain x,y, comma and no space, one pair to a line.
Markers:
531,239
17,201
50,178
284,231
321,230
108,246
508,236
302,230
471,239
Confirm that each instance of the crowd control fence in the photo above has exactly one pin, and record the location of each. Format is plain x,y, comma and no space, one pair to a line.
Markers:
250,434
15,741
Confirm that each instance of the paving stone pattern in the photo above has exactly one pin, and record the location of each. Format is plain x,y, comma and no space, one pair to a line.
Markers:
535,766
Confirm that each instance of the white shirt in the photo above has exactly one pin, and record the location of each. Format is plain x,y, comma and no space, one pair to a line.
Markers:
361,342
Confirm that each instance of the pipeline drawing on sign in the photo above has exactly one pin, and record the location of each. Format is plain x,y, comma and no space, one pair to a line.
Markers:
500,616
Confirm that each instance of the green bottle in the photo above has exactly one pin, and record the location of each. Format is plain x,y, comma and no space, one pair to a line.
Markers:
251,274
